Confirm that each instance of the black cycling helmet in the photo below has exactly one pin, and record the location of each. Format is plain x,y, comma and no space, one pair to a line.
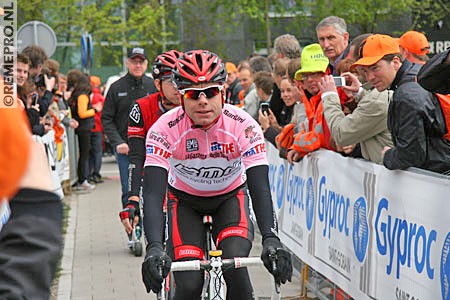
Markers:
198,66
164,63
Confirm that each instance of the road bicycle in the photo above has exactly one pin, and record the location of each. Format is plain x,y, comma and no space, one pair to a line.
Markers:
213,266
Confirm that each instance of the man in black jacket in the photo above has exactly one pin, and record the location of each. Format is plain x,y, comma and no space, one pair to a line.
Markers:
415,117
120,98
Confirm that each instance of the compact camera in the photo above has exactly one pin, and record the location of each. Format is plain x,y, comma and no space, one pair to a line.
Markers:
339,80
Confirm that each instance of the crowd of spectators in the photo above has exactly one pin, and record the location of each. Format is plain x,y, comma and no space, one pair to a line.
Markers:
55,102
385,112
382,109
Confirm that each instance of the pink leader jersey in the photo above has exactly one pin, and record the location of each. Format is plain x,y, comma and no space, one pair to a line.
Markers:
206,163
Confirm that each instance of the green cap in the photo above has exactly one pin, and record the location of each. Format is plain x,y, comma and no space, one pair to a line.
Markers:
312,60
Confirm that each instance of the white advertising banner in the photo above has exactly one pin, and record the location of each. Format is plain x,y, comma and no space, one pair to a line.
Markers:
52,155
376,233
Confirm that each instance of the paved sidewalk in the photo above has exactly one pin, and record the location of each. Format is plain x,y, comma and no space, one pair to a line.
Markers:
96,263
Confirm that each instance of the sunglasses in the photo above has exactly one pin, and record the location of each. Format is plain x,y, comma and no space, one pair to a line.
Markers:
208,92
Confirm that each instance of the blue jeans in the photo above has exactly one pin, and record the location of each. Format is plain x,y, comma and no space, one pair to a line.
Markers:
122,162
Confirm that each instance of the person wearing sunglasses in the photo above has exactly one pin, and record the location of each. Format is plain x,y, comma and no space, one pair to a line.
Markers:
203,156
144,113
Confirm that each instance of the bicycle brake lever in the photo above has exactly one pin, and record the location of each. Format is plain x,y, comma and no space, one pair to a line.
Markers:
274,257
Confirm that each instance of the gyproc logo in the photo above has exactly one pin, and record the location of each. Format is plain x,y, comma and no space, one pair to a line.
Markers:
309,203
360,228
407,244
333,208
445,269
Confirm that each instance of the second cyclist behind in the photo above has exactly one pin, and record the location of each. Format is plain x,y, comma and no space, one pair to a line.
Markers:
143,115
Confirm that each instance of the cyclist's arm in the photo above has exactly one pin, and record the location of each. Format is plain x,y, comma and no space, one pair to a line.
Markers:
136,155
155,185
258,186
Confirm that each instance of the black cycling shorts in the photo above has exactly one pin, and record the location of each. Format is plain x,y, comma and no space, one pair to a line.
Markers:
186,231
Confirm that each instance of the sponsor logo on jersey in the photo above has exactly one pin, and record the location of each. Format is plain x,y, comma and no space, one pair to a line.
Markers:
172,123
189,252
225,148
191,145
160,138
209,172
195,155
122,94
134,131
251,134
135,113
236,117
155,150
255,150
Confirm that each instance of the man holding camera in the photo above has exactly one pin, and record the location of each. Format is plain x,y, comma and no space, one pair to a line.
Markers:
367,124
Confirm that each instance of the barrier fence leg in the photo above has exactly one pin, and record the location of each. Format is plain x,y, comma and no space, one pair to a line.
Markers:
305,278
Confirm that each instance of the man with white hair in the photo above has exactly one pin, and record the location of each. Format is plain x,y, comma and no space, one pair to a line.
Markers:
334,39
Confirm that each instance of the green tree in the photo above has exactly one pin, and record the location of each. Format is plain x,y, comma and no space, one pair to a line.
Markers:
112,22
364,14
429,12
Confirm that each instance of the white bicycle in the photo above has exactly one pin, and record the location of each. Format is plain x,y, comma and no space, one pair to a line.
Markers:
213,266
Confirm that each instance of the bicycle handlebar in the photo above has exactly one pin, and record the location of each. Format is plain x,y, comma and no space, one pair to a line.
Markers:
196,265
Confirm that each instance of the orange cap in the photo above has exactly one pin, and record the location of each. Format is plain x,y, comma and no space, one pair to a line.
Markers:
95,81
231,68
15,139
375,47
415,42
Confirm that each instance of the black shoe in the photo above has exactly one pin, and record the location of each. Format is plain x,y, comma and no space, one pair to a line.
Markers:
97,178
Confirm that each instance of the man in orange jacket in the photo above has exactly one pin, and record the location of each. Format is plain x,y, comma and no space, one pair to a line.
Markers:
313,133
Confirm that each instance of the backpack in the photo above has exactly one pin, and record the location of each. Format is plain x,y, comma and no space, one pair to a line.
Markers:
444,101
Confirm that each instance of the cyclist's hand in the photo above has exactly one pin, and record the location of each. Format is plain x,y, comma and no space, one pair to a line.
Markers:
277,260
155,267
130,212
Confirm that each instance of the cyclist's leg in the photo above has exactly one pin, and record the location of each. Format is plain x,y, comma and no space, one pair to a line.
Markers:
234,232
238,282
185,242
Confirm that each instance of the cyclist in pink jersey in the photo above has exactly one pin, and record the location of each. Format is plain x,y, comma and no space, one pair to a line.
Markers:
203,156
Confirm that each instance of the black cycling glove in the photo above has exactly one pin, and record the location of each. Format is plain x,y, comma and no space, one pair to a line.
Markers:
155,267
277,260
